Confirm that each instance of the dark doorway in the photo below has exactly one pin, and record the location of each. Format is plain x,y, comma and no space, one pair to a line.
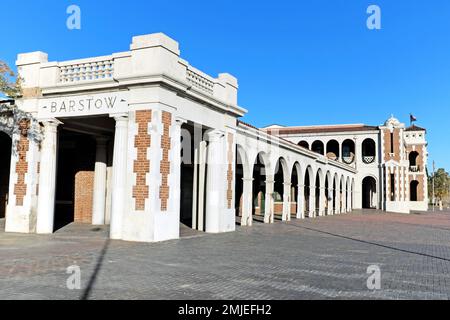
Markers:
77,147
413,186
369,187
5,162
76,160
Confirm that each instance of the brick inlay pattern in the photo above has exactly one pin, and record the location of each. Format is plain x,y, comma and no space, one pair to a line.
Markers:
165,163
230,171
142,142
20,188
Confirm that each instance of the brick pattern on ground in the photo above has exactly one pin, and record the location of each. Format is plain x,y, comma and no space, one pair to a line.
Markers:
321,258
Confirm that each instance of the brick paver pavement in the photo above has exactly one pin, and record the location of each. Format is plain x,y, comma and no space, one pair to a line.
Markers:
323,258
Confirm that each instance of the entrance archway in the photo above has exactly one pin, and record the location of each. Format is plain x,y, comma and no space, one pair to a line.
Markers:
369,190
413,186
5,163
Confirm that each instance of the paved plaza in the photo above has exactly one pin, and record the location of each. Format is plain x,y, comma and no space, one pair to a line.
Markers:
323,258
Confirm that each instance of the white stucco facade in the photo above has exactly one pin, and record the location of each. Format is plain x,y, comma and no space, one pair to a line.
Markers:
168,149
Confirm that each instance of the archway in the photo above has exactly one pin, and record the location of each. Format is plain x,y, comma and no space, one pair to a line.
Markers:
369,187
413,167
5,162
304,144
348,151
413,187
307,193
318,147
294,190
327,194
318,187
368,150
335,193
333,150
239,186
259,188
280,179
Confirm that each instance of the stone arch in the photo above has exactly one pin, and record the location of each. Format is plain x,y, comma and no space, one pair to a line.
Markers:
308,191
296,187
328,193
335,193
282,180
304,144
243,188
319,194
318,147
369,192
348,151
333,151
260,168
368,151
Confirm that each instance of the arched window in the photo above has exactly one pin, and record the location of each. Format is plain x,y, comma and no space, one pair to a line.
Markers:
304,144
368,151
413,190
333,150
318,147
413,167
348,151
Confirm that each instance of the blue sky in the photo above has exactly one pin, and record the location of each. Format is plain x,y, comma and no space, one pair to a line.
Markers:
298,62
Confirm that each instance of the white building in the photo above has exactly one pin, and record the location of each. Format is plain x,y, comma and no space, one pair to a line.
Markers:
144,142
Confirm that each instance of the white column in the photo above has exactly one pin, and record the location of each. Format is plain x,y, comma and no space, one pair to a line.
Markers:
286,202
215,180
330,202
247,218
119,176
99,196
47,178
322,201
312,201
344,200
269,201
301,202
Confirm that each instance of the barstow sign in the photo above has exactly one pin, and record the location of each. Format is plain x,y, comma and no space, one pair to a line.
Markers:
85,105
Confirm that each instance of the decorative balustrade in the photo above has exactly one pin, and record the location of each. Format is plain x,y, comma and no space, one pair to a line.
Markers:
348,159
414,168
86,71
199,81
368,159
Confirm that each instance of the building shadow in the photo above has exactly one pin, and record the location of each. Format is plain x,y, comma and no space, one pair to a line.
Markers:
87,292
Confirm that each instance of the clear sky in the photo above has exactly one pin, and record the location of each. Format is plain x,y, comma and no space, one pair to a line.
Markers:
299,62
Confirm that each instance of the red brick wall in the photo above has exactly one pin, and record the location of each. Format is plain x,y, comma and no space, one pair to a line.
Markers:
387,145
142,142
165,163
84,190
